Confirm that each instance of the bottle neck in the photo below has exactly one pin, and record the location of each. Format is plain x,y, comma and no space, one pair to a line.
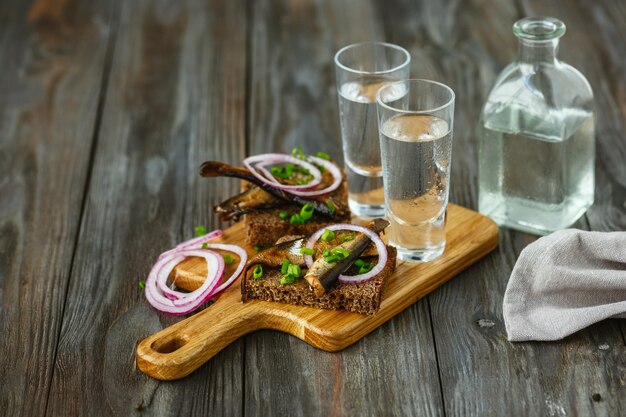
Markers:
536,52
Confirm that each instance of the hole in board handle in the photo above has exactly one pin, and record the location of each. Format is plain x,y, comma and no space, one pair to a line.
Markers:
169,345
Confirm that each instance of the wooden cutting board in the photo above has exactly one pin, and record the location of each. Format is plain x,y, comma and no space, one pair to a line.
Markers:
178,350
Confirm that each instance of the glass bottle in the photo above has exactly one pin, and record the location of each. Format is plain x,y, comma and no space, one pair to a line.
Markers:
536,137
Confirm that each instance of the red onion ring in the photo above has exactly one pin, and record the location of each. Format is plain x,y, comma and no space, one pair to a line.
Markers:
188,244
335,172
380,247
162,284
299,190
266,159
164,266
268,175
165,299
237,250
180,298
243,258
194,242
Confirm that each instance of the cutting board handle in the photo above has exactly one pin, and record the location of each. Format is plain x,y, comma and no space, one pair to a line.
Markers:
178,350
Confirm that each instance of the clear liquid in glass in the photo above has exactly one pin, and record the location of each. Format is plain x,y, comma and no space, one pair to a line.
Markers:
416,150
361,148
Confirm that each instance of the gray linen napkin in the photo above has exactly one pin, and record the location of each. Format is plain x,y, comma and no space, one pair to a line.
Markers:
565,282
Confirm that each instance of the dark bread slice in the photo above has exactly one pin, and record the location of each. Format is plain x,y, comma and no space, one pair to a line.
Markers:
362,298
265,227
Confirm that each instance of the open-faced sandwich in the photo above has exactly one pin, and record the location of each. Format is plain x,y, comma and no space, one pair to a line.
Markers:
283,195
340,266
337,266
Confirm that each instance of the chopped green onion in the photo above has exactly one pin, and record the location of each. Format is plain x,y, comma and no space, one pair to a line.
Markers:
258,272
321,168
331,207
283,215
307,251
335,255
205,246
298,152
301,182
365,268
341,252
332,259
287,279
359,262
347,237
296,219
306,212
289,170
279,172
328,235
228,259
200,230
294,270
142,284
285,266
323,155
258,248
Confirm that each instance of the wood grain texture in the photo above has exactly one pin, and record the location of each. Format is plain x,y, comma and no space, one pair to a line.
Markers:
177,351
53,64
194,80
609,211
293,101
176,97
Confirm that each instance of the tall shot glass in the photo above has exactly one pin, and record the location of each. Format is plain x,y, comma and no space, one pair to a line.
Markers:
362,69
416,146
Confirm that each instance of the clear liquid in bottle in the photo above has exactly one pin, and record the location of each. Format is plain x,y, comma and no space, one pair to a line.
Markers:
536,137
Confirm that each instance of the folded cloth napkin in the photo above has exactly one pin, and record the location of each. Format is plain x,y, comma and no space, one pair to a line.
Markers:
565,282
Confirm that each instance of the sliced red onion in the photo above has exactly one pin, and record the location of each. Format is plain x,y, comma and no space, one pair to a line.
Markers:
196,241
181,298
171,301
300,190
162,284
188,244
270,177
380,247
332,168
161,271
261,161
243,258
201,239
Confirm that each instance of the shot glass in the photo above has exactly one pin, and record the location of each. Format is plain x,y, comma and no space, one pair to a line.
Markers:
362,69
416,146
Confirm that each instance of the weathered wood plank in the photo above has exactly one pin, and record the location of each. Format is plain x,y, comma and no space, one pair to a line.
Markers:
611,124
482,373
293,102
53,60
601,59
176,97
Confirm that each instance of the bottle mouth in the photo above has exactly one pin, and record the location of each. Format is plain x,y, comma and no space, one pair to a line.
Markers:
539,28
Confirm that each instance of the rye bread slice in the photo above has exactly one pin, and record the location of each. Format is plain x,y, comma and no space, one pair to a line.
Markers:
265,227
364,298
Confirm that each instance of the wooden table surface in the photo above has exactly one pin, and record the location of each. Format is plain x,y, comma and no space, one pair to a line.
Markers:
107,109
